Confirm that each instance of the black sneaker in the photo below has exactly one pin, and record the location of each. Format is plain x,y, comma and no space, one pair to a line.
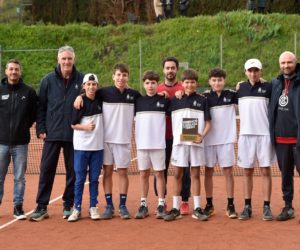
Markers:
39,214
19,213
174,214
209,210
231,213
287,213
267,214
160,212
199,214
142,213
246,214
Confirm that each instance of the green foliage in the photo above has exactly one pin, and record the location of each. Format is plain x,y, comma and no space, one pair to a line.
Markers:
193,40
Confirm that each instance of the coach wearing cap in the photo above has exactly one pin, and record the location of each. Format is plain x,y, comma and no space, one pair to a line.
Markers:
284,119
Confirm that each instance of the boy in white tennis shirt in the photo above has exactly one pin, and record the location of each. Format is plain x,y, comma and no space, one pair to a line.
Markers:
150,128
185,153
254,142
219,142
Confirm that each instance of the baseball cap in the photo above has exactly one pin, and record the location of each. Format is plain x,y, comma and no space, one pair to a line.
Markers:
90,77
253,63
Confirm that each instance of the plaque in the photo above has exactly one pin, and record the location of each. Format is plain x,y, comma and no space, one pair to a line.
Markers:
190,130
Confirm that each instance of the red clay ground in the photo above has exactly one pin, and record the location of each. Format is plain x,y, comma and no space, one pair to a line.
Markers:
217,233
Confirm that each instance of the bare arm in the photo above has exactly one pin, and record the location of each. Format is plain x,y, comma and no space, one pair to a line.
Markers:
205,131
86,127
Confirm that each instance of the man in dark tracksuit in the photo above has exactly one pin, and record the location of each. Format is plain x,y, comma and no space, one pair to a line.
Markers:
284,118
58,91
18,104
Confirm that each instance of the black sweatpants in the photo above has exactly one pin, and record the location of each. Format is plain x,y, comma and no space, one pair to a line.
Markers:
186,178
49,161
288,156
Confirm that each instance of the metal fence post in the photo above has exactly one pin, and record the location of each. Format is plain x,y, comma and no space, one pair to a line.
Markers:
295,44
0,62
140,60
221,51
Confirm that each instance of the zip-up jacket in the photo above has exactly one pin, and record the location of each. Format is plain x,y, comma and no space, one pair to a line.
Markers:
277,88
18,106
56,98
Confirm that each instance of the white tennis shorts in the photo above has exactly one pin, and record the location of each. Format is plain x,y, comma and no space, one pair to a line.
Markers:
187,155
117,154
223,155
154,158
255,148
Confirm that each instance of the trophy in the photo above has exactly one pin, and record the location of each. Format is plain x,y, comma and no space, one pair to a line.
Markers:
190,130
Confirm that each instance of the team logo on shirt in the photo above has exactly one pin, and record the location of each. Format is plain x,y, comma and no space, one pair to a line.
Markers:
196,104
76,86
226,100
261,91
23,97
283,100
129,97
160,105
99,107
4,97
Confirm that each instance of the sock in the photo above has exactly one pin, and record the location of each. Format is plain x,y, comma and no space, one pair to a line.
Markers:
123,198
267,203
209,201
144,202
230,201
108,198
248,202
161,201
176,201
196,201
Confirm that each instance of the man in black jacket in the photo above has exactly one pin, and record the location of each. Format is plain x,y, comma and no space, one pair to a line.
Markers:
284,117
18,104
58,91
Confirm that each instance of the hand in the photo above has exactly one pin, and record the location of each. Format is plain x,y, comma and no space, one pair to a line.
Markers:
179,94
78,103
262,80
199,139
237,87
42,136
90,126
164,93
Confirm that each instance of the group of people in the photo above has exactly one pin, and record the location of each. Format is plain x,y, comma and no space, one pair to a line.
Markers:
165,8
94,125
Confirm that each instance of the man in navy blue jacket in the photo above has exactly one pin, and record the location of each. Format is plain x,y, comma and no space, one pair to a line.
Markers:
284,119
58,91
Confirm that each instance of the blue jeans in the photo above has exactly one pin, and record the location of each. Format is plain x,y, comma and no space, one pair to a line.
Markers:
18,154
84,162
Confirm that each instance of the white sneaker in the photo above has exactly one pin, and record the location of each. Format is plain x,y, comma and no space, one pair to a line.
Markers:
94,213
74,216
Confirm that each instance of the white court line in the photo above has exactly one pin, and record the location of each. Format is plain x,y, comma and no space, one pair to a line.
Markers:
30,212
52,201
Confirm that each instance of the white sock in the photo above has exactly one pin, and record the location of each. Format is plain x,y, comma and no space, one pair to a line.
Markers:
161,201
196,201
144,201
176,202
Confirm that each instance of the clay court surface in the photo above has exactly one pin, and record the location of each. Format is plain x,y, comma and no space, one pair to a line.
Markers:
187,233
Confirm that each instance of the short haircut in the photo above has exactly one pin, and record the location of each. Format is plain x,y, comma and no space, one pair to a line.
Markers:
170,59
15,61
189,74
66,48
217,73
123,68
150,75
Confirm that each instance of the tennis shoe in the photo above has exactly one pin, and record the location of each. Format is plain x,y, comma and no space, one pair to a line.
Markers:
94,213
174,214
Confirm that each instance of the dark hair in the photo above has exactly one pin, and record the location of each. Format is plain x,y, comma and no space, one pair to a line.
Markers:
170,59
150,75
13,61
217,73
189,74
122,67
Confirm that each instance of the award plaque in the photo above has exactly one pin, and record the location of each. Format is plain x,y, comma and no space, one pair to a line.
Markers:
189,130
